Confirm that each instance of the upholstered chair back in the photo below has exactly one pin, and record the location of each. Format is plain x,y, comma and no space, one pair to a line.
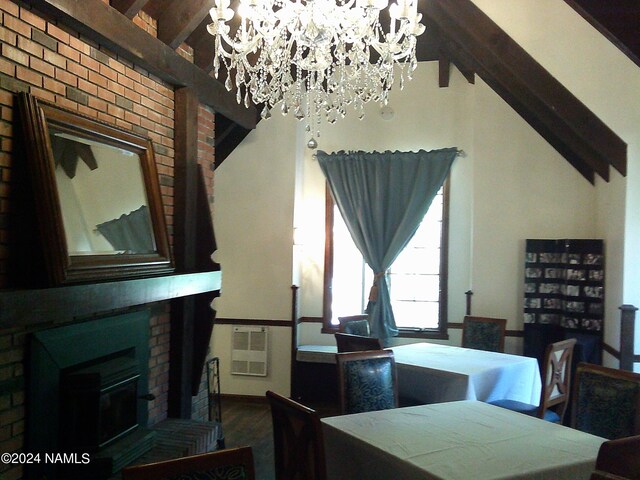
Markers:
483,333
355,325
356,343
367,381
606,401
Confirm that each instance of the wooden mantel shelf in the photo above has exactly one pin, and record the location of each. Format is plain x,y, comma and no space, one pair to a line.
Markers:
29,307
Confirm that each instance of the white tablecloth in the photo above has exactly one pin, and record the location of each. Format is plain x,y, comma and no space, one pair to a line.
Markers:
431,373
465,440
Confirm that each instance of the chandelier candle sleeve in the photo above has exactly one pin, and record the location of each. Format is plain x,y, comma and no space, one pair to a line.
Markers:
314,57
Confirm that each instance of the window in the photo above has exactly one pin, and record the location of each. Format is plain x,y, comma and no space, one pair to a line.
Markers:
418,277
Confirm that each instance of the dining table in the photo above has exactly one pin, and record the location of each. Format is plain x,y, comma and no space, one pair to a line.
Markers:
462,440
435,373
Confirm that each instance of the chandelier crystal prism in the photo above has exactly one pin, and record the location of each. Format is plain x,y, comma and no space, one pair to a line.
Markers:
314,57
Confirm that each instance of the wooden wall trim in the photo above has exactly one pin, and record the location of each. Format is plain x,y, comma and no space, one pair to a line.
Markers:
310,320
244,398
610,350
450,325
253,321
107,26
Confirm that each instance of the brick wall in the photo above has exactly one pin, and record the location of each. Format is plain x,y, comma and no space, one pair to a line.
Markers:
44,58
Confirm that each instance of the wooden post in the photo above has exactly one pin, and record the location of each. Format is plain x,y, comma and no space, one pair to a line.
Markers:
182,310
627,335
294,339
469,294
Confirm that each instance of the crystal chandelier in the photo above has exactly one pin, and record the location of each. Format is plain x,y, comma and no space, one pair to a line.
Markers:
315,56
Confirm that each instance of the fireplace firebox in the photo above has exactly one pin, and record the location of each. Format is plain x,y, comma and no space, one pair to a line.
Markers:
99,403
88,392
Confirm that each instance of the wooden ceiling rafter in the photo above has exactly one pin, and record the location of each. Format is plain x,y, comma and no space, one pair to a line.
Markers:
567,124
107,26
444,70
203,45
458,32
445,59
617,20
180,18
129,8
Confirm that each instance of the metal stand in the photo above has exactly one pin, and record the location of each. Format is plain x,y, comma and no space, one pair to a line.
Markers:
215,409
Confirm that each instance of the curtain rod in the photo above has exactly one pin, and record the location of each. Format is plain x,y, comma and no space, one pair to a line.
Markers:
459,153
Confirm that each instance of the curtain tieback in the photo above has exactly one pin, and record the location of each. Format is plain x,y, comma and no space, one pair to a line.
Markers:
373,293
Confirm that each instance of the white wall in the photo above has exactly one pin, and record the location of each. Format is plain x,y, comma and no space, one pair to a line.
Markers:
253,218
511,186
607,82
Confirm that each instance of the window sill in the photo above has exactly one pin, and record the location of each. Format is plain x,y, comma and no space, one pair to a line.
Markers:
417,333
406,333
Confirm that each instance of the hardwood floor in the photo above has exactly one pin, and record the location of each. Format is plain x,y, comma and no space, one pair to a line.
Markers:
247,421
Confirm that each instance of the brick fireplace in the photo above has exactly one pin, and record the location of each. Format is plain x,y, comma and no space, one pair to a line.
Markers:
42,57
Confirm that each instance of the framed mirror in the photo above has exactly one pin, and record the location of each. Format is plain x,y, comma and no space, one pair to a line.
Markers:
97,196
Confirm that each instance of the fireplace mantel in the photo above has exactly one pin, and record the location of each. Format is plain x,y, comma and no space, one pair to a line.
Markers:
28,307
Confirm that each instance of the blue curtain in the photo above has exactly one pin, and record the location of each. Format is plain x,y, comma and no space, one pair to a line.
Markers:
382,198
130,233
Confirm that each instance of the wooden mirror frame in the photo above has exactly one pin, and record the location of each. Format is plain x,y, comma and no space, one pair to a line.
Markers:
62,268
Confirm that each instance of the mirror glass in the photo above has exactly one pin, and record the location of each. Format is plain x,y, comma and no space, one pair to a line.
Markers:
97,196
95,220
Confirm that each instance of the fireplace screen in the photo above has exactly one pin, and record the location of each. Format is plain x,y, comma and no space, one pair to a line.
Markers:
99,403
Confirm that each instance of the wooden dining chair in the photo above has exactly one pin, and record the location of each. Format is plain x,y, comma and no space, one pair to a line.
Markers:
556,374
618,459
225,464
355,325
606,401
297,440
367,381
483,333
356,343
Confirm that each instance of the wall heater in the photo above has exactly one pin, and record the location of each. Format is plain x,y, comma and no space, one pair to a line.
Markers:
249,351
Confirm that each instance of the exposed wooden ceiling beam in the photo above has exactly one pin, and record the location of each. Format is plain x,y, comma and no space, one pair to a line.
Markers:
129,8
617,20
203,44
444,71
567,124
108,27
153,8
180,18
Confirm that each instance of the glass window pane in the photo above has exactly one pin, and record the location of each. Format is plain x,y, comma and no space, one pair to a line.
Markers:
416,314
415,287
417,260
348,268
414,276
